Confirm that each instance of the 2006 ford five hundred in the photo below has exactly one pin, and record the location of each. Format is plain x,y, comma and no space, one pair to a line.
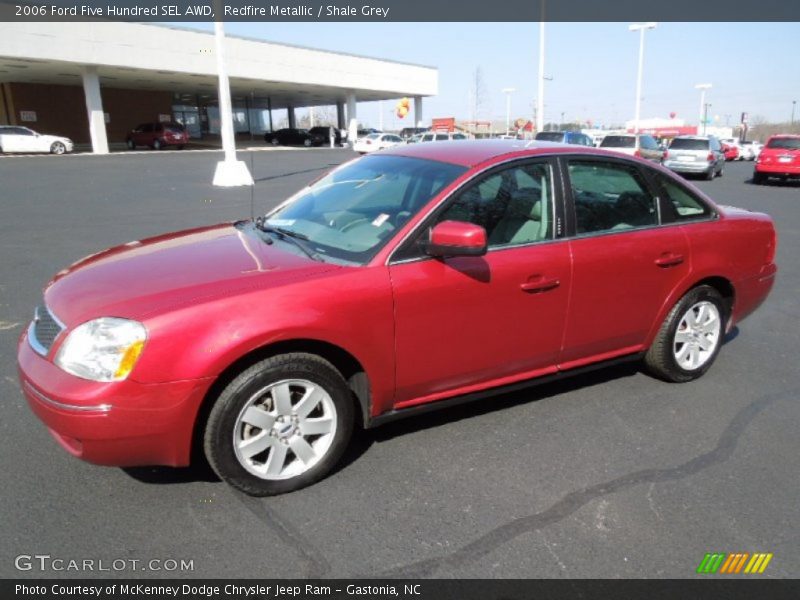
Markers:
407,280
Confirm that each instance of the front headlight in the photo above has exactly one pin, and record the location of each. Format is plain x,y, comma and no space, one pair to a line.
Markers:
105,349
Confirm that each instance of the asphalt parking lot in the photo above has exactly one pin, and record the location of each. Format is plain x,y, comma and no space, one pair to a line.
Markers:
609,475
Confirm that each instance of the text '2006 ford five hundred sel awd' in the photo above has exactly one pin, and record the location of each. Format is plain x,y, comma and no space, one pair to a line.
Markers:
403,281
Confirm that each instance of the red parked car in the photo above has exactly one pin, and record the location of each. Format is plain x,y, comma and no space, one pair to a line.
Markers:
780,157
404,281
158,136
730,152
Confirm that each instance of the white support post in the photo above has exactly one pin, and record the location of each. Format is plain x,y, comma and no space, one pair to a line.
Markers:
94,111
418,111
352,118
230,172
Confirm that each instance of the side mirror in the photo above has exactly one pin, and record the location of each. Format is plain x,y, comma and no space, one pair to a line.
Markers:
457,238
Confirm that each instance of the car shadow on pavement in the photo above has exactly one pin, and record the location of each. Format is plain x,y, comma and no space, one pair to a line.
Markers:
200,470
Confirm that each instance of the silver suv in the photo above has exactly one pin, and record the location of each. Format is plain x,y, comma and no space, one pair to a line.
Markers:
696,155
641,145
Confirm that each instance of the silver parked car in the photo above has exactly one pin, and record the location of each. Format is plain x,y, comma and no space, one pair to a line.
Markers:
639,144
696,155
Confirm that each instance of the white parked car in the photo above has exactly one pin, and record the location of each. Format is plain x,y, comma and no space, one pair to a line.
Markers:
752,149
376,141
442,136
22,139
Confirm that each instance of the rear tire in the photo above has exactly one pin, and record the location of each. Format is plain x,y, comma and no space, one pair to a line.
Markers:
277,411
710,175
275,142
690,337
758,178
157,145
131,145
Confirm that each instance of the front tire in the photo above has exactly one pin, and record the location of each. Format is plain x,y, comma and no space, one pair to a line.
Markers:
690,337
131,145
58,148
280,425
157,145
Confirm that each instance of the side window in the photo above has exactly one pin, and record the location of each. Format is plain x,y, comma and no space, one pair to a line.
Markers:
610,197
687,206
514,206
441,137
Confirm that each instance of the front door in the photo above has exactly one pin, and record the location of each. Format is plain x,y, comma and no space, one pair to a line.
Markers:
467,323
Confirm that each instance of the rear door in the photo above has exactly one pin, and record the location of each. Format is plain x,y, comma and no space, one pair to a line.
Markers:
625,262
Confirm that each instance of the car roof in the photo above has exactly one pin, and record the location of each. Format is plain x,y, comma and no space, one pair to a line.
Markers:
469,153
785,135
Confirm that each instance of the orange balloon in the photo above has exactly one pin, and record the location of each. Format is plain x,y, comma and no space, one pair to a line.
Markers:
405,103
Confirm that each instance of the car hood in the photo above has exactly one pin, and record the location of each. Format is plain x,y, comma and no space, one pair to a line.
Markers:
146,277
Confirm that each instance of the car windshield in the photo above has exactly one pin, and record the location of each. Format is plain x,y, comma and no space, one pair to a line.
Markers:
550,136
618,141
784,143
688,144
348,215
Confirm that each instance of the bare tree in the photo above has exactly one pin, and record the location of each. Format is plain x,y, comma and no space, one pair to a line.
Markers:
324,116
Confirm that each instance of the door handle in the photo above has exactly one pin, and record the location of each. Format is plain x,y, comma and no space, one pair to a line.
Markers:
538,283
669,259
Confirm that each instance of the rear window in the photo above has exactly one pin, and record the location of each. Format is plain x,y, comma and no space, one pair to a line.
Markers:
618,141
688,144
784,143
550,136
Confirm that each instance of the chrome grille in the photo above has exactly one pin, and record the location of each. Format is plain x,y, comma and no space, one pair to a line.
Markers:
44,330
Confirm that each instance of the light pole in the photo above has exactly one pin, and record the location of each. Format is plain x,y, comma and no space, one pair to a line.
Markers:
540,97
508,91
229,172
794,102
705,116
641,28
702,87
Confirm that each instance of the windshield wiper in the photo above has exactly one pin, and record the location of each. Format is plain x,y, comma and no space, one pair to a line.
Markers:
297,238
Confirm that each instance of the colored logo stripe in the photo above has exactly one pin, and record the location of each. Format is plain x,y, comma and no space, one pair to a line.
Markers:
711,563
758,563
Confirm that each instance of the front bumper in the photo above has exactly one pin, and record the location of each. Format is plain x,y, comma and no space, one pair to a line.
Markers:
123,423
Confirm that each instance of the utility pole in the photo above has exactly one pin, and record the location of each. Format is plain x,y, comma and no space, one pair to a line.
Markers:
540,109
705,116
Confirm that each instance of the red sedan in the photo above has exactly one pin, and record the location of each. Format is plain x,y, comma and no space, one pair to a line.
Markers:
404,281
780,158
731,152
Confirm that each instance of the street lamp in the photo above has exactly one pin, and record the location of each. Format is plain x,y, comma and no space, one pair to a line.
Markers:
508,91
705,116
793,105
702,87
641,28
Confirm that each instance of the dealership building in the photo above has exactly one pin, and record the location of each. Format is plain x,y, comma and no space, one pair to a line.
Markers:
94,82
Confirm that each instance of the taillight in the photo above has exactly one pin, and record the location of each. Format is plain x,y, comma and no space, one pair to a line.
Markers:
637,153
710,156
666,154
369,141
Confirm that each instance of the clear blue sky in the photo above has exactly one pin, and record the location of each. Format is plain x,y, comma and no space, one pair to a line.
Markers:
753,67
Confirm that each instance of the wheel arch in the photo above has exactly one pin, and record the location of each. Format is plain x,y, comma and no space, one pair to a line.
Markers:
722,284
343,361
